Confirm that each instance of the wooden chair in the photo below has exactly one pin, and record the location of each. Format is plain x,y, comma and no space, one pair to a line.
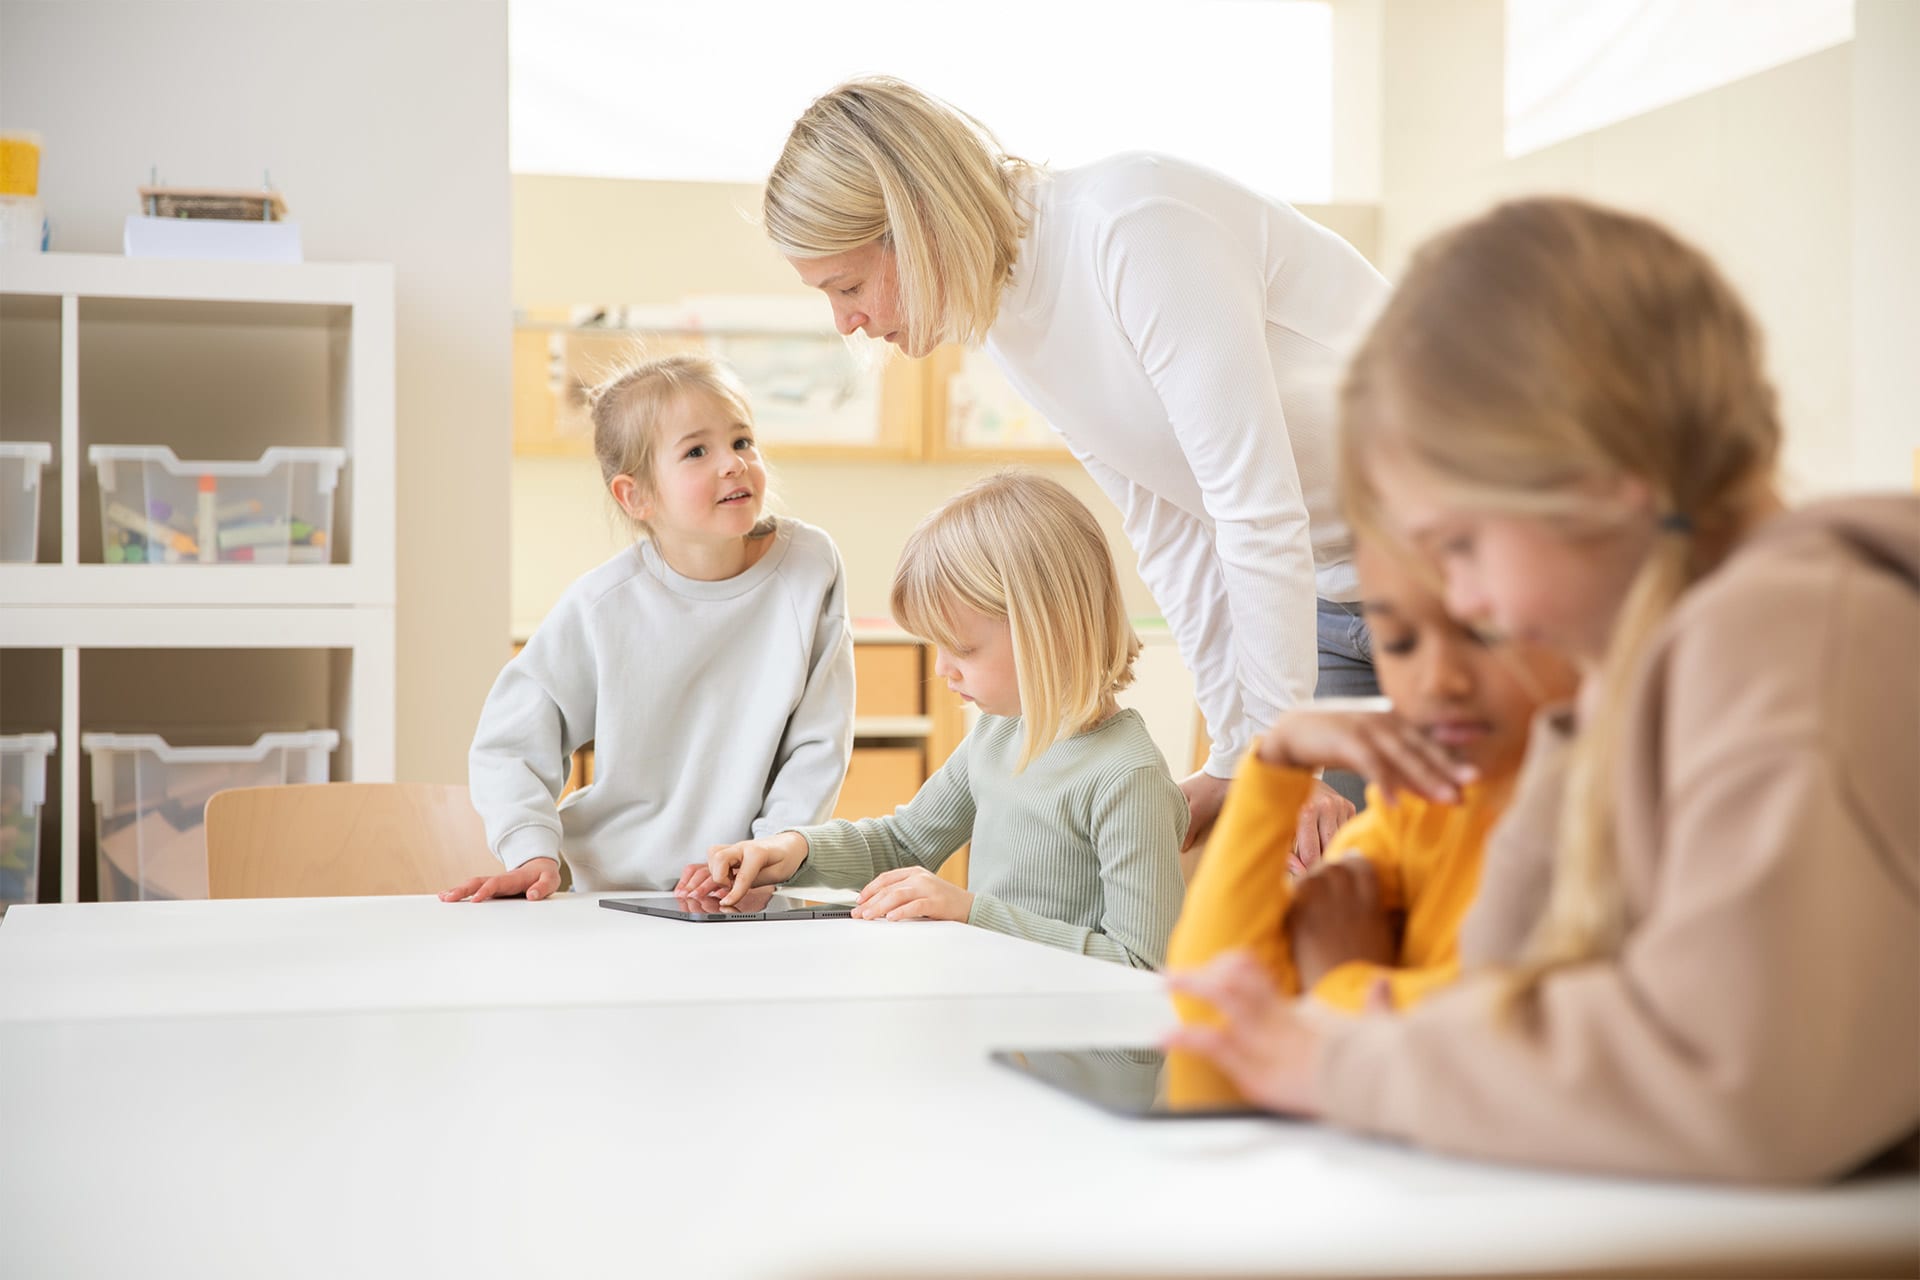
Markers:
342,839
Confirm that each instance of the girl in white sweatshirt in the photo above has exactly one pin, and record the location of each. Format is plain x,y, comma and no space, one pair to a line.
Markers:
710,664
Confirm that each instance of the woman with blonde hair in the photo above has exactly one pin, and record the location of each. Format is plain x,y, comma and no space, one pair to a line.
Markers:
1184,335
1704,959
1074,820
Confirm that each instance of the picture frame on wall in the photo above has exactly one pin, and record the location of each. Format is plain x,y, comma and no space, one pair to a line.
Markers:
811,389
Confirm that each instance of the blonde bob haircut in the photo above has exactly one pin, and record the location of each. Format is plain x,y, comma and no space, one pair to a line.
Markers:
878,160
1019,546
1527,359
628,404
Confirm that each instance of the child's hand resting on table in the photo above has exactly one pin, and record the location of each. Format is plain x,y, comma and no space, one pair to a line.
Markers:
534,879
913,893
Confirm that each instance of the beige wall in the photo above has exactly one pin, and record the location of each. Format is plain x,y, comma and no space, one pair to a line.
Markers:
386,127
1886,243
579,240
1759,173
1357,35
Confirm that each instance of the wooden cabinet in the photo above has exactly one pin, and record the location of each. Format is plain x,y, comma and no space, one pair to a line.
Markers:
889,679
906,723
880,779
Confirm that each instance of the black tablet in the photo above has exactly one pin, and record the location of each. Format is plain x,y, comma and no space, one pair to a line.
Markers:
1127,1082
757,904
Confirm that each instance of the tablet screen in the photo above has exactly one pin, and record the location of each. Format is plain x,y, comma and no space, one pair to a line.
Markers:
1128,1082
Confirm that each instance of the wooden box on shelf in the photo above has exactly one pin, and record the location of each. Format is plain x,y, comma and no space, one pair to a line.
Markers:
906,723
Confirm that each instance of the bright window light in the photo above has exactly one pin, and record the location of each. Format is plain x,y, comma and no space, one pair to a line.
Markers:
1574,66
705,90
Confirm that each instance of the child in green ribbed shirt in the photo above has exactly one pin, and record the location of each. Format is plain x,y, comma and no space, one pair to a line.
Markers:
1074,820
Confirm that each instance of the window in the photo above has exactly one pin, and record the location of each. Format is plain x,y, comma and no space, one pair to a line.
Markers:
705,90
1577,65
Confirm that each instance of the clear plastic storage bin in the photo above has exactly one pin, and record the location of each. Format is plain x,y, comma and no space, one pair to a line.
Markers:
156,509
150,801
20,468
23,789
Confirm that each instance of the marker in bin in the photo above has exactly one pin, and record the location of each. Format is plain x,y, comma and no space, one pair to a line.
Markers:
152,529
208,523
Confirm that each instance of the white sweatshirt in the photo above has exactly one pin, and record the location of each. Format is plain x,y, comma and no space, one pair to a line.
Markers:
717,710
1186,336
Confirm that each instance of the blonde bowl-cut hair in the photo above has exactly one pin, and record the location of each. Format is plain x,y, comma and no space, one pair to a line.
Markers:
626,408
879,160
1018,546
1528,358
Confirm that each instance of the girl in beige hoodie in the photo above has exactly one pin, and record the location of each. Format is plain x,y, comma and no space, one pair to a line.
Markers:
1696,951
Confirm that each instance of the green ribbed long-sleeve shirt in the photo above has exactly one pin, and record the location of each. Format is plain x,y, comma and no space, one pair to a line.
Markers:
1081,850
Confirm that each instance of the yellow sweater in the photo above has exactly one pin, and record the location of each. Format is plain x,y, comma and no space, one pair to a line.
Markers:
1426,855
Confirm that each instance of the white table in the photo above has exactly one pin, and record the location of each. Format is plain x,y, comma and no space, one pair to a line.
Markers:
103,960
855,1133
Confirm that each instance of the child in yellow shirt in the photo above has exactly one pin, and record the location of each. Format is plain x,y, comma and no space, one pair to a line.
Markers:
1386,902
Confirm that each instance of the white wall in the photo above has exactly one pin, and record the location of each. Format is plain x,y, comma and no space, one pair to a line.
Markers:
1886,243
1759,173
1357,33
385,124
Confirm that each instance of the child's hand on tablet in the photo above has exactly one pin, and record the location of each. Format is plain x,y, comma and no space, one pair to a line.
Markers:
1377,745
913,893
1263,1042
534,879
739,867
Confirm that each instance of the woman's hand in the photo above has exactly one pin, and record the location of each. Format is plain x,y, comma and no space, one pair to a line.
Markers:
1205,794
536,878
1321,817
1336,918
1264,1045
912,893
739,867
1378,745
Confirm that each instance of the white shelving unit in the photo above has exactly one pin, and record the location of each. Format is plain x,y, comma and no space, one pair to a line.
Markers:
346,607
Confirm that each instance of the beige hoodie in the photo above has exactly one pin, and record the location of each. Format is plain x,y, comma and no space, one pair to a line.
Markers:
1761,1021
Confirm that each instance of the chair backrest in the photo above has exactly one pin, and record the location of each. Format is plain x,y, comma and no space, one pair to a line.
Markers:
341,839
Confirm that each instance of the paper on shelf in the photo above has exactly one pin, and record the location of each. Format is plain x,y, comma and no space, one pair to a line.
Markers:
211,239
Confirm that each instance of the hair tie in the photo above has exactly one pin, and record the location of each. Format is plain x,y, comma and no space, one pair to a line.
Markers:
1676,522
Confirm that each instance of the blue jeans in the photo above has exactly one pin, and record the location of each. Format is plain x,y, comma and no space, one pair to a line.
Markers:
1346,671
